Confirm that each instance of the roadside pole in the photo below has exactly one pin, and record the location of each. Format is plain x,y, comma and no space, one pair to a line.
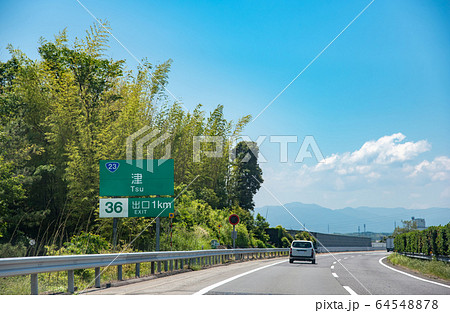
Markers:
234,236
115,221
158,226
234,220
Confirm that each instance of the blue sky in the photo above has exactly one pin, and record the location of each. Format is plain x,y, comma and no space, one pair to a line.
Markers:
379,92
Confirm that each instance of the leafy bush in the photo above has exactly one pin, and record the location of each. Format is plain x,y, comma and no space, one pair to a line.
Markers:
304,235
432,241
85,243
285,243
259,244
7,250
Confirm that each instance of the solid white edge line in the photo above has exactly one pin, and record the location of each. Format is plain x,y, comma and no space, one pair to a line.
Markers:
407,274
335,275
350,290
209,288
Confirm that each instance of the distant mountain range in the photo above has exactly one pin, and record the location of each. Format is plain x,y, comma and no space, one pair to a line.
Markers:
347,220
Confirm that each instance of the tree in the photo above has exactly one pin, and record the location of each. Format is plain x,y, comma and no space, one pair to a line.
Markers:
62,113
11,196
407,227
260,228
304,235
246,174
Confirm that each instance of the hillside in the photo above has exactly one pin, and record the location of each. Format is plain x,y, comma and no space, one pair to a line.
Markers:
347,220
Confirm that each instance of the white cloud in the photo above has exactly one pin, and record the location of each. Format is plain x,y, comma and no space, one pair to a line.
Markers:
438,169
384,172
385,151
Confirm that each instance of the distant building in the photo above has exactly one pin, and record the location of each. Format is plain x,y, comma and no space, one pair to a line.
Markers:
420,222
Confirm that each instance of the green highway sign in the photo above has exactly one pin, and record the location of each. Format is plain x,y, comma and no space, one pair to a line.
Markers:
136,207
136,177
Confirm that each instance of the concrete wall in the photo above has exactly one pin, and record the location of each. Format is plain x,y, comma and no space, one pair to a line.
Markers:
333,240
346,249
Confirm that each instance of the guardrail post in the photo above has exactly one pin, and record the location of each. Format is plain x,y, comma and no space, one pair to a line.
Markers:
138,269
119,272
171,265
152,268
70,281
159,266
34,284
165,266
97,277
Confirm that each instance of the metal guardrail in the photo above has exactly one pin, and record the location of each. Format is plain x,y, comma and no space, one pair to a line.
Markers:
44,264
425,257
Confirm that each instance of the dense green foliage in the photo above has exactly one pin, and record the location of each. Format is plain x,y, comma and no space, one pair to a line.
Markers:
434,240
304,235
61,114
247,174
280,237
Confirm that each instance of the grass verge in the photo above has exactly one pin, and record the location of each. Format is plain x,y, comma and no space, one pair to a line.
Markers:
56,282
433,268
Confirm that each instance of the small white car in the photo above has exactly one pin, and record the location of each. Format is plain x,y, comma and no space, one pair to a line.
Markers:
302,250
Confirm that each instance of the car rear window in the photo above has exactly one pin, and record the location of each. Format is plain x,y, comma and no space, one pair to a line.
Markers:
300,244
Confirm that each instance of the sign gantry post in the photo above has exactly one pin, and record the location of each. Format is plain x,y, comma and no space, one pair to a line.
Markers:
171,216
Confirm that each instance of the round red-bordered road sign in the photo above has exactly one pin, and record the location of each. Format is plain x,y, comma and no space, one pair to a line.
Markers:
233,219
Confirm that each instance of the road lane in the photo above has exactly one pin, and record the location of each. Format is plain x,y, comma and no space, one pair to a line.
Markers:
285,279
186,283
333,274
379,280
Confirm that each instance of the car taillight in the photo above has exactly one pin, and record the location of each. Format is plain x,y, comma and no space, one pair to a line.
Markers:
290,250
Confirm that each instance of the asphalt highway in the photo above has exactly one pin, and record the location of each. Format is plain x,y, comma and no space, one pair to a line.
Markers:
344,273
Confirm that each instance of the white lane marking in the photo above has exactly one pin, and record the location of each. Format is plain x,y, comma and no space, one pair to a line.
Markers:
335,275
339,260
350,290
332,267
345,258
334,262
407,274
220,283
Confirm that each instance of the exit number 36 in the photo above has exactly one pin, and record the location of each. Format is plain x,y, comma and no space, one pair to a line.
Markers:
114,207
